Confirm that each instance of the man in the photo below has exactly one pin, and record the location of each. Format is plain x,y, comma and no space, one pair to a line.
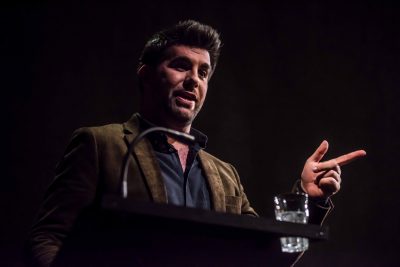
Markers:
174,70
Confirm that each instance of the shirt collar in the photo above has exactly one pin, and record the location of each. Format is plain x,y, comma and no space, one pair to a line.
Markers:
160,137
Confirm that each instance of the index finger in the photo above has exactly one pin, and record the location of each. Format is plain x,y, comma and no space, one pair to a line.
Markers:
320,151
347,158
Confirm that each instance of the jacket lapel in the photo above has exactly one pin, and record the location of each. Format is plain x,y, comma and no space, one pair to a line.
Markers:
214,181
147,161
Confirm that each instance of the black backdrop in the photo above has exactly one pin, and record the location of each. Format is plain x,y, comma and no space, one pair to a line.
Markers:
289,76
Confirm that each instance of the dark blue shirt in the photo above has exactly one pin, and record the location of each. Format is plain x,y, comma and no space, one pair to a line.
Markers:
187,188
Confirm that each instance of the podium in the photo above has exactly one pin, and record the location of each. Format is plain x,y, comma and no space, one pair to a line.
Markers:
126,233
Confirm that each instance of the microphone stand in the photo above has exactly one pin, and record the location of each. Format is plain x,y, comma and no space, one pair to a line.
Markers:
185,138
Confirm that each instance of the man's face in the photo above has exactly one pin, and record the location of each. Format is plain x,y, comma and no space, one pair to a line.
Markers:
178,85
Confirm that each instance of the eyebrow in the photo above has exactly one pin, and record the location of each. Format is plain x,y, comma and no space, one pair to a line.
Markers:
205,66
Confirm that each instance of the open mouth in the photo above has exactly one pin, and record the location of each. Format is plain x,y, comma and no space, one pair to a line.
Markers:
185,99
185,95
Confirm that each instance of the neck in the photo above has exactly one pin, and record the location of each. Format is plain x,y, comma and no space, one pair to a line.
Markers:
163,121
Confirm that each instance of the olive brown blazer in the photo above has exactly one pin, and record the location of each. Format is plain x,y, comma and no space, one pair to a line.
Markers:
91,168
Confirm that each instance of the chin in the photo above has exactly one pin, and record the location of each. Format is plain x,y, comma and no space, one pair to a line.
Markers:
183,116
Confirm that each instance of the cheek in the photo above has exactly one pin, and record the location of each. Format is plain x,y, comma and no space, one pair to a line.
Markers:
203,92
204,88
171,78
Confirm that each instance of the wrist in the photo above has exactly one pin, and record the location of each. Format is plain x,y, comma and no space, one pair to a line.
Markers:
299,188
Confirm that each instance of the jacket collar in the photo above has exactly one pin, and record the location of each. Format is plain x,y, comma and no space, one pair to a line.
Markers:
201,139
217,192
146,159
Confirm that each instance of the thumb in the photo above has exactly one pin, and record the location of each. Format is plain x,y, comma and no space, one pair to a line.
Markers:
320,152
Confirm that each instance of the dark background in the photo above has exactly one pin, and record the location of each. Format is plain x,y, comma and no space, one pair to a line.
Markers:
290,75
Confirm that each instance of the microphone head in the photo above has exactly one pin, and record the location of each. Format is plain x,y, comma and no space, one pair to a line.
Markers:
180,136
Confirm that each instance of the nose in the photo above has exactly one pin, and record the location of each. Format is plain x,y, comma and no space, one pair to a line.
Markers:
191,81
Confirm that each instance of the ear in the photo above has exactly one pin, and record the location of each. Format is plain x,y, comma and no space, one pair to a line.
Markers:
143,74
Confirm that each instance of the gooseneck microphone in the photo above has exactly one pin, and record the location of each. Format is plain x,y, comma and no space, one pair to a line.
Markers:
183,137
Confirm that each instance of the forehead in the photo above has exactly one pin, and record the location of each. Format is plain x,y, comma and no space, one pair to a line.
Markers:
195,54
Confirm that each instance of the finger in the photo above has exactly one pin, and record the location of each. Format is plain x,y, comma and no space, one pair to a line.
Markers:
320,152
332,174
347,158
326,165
329,186
338,169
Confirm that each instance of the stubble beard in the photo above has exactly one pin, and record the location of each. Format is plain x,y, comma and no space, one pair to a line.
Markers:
181,115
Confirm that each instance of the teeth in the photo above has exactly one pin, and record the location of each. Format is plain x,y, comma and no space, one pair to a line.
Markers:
187,97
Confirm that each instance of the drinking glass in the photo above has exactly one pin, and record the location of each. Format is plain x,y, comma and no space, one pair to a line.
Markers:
292,207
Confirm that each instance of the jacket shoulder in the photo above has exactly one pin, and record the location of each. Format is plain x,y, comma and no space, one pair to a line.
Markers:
215,160
113,131
103,130
224,169
101,134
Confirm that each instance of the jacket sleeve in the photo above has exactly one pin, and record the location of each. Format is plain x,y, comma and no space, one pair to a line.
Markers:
319,208
72,190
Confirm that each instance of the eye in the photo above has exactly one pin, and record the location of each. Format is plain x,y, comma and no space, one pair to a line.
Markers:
203,73
180,64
